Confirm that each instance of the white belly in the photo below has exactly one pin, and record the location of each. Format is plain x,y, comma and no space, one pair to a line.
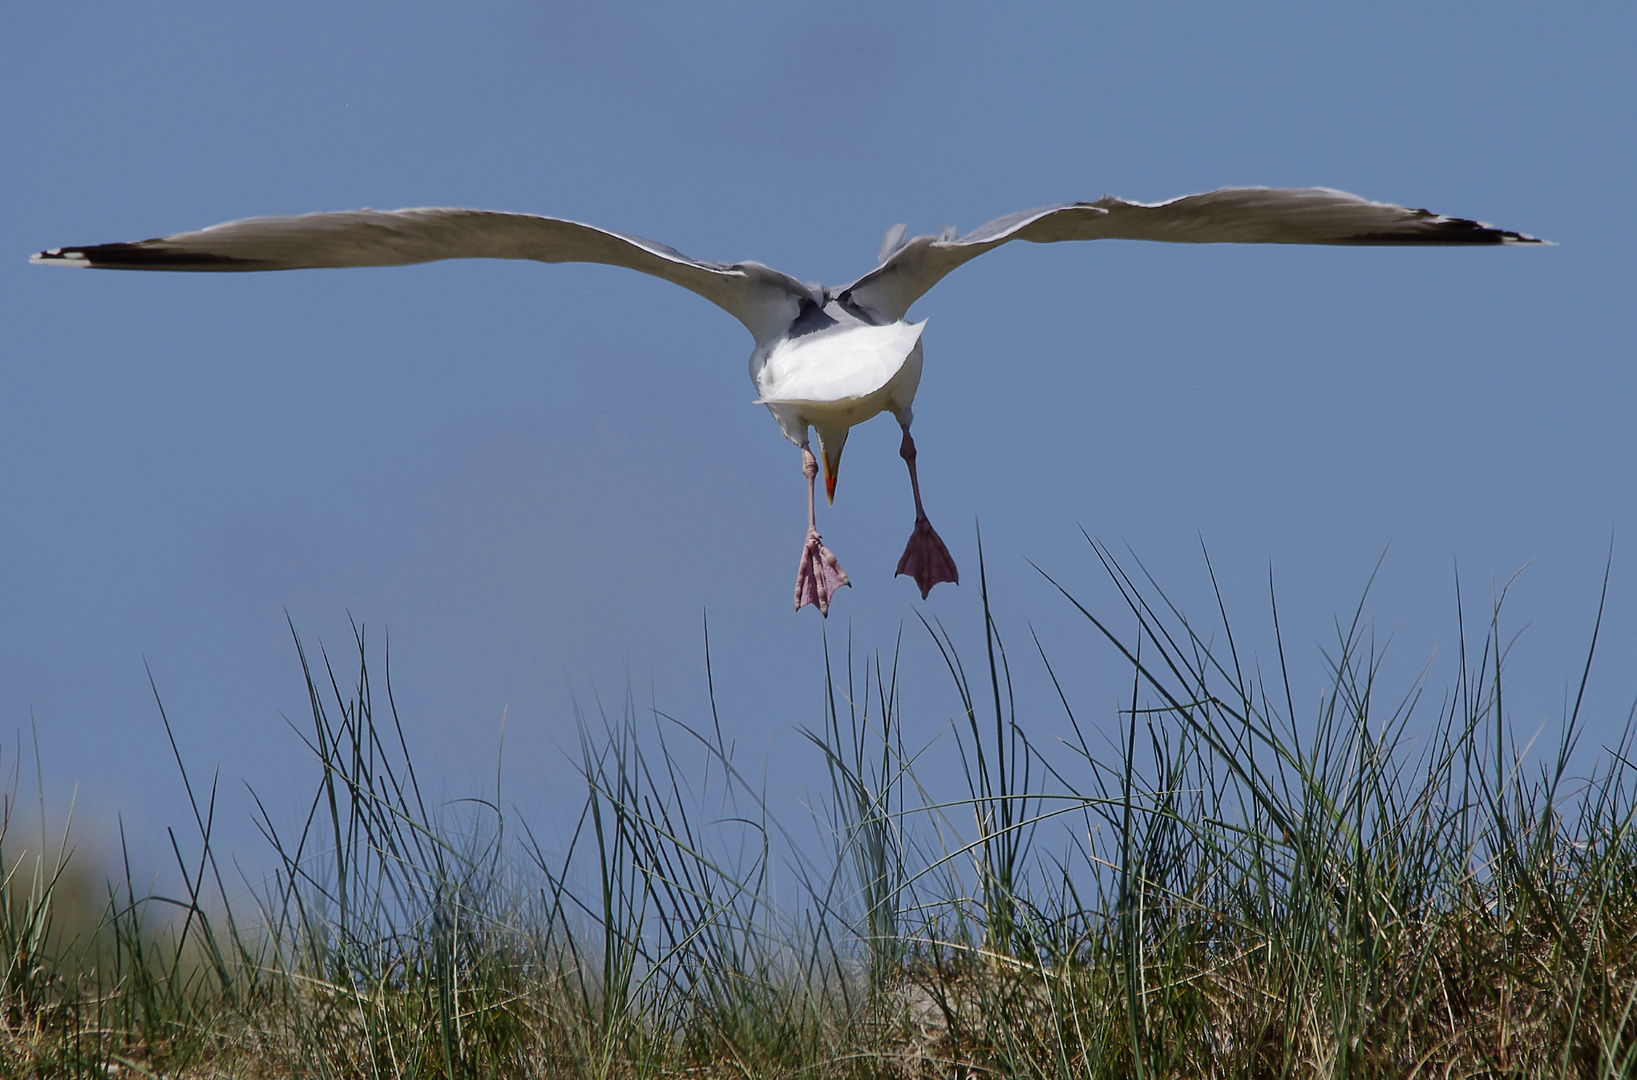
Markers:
833,380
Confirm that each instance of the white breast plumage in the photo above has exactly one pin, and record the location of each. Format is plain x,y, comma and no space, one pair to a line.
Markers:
844,364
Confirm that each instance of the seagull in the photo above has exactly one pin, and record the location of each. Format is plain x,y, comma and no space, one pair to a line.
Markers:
824,359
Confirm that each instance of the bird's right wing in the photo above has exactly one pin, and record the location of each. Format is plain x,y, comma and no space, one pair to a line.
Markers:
765,300
1247,215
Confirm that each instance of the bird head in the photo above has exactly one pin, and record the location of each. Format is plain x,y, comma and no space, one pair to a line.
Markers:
831,441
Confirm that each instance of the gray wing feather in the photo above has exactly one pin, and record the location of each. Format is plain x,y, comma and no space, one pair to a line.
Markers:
1249,215
891,242
764,300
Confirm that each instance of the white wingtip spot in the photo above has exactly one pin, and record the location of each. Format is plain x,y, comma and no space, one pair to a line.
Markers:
59,257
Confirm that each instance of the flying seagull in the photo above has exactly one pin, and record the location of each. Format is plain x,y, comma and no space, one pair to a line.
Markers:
825,359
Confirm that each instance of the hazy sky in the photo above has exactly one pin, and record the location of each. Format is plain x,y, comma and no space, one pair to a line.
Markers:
539,479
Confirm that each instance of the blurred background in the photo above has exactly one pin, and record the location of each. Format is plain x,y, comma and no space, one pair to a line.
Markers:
539,482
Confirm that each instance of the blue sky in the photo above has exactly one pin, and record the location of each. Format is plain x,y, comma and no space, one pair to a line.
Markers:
539,479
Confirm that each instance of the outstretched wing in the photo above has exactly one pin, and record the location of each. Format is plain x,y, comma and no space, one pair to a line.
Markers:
1249,215
765,300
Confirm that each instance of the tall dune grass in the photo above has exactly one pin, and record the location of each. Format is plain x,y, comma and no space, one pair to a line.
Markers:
1388,884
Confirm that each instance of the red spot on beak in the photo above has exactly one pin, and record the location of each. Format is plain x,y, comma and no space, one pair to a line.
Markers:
830,486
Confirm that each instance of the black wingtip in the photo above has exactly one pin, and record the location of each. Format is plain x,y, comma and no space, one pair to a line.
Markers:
1436,229
144,255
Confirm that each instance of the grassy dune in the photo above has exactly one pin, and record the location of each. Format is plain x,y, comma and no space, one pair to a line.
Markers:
1384,885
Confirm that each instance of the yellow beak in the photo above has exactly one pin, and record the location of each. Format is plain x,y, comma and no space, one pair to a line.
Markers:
832,465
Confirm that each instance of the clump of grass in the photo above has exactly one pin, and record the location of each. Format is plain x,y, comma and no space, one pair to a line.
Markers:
1341,896
1209,882
34,888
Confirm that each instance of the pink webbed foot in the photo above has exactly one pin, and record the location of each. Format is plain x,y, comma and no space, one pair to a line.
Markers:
818,576
926,559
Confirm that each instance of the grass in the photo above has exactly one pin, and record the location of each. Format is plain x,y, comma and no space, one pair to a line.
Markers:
1387,884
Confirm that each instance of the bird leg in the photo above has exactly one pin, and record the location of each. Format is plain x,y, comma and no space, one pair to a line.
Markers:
925,558
818,575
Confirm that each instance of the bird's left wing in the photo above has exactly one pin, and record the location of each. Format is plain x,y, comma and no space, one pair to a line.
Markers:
1247,215
765,300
